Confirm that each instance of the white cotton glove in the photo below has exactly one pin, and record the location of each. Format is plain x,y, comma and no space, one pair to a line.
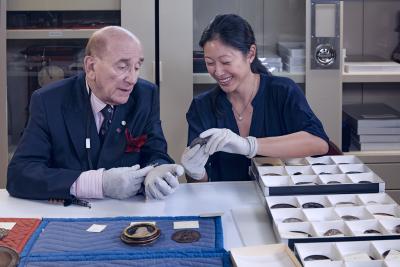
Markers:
227,141
124,182
193,160
162,181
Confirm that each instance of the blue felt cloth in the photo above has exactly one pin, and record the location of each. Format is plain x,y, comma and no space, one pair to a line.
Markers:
177,259
59,241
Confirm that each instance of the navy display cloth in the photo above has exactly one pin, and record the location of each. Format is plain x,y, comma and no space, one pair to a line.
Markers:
279,108
56,242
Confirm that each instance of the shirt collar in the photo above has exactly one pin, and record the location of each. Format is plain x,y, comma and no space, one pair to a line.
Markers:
96,103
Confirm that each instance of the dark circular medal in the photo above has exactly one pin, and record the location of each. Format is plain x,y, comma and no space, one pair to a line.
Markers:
199,141
397,229
372,231
316,258
282,206
305,183
186,236
332,232
291,220
312,205
8,257
350,218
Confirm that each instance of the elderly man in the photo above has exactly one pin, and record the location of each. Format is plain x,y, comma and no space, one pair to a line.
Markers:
97,134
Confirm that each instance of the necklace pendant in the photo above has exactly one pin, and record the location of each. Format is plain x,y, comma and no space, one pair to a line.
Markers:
240,118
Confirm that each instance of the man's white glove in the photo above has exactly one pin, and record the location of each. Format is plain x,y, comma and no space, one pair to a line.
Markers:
124,182
162,181
193,160
227,141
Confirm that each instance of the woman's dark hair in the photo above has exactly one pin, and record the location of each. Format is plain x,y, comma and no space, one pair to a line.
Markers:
236,32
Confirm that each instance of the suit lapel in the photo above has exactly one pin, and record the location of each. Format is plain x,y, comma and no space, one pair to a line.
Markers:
76,113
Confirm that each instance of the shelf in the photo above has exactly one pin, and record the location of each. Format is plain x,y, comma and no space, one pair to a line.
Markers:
205,78
50,34
40,5
378,77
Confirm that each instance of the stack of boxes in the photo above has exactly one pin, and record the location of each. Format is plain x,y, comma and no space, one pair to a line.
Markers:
293,56
272,62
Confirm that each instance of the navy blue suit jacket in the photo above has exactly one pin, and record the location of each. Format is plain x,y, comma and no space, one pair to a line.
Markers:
51,154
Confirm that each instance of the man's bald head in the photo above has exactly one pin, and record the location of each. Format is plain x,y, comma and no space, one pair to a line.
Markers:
97,43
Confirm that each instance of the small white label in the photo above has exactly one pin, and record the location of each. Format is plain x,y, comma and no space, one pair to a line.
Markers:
87,142
7,225
186,224
56,34
134,223
96,228
357,257
393,255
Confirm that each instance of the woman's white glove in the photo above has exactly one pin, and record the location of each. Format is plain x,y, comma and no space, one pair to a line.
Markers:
227,141
162,181
193,160
124,182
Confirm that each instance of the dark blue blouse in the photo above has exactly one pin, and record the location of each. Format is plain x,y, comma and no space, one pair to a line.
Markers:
279,108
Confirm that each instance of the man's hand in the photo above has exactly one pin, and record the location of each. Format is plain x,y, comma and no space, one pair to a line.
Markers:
162,181
193,160
124,182
227,141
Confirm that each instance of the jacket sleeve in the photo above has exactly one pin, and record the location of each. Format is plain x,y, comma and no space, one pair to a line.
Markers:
29,172
155,148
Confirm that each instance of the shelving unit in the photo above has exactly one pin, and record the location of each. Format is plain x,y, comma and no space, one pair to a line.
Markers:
363,27
371,77
50,34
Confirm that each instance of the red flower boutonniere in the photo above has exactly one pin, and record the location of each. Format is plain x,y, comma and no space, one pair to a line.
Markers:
133,144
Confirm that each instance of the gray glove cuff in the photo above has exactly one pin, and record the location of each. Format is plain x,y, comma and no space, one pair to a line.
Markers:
253,145
196,176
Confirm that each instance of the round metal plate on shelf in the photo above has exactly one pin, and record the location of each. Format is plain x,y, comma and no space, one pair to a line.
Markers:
325,55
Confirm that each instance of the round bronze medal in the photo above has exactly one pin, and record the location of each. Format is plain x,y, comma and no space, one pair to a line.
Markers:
333,182
384,254
8,257
282,206
306,183
350,218
291,220
397,229
140,234
312,205
372,231
316,258
186,236
332,232
199,141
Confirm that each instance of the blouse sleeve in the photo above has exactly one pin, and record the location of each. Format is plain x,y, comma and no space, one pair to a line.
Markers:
298,115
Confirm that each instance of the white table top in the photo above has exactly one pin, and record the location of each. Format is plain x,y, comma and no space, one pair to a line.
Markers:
244,218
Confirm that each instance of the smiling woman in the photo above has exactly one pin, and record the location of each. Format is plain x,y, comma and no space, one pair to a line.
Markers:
249,112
